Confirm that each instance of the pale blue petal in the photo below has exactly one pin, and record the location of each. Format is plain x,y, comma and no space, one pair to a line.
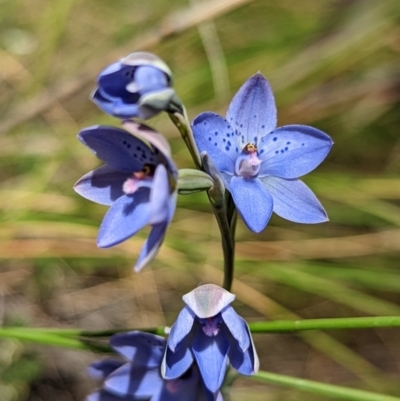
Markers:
140,382
102,185
253,202
117,148
211,355
142,349
237,326
151,246
252,111
128,215
115,107
159,196
175,364
181,328
102,395
101,369
215,136
148,79
243,362
292,151
294,201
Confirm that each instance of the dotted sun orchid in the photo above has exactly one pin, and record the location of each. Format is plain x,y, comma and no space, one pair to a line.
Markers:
259,163
210,332
138,85
138,181
138,377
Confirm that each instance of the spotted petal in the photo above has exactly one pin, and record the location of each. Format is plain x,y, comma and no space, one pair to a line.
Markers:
215,136
128,215
208,300
117,148
253,202
294,201
211,355
102,185
142,349
292,151
252,111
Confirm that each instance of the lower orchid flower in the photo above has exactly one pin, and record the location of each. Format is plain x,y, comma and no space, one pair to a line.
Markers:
138,181
139,377
209,332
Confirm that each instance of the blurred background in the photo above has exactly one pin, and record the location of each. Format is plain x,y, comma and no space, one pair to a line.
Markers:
333,64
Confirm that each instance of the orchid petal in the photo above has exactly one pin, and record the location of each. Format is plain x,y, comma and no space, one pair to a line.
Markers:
211,355
101,369
215,136
292,151
114,80
151,246
252,111
128,215
175,364
140,381
116,107
142,349
148,79
253,202
294,201
237,326
147,134
159,196
102,185
208,300
181,328
117,148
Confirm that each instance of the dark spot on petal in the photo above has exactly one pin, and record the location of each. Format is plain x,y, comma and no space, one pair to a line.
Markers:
263,126
209,138
216,133
216,144
224,140
276,152
302,144
229,127
205,123
261,151
228,135
275,139
237,150
287,143
286,148
282,151
227,148
229,143
138,148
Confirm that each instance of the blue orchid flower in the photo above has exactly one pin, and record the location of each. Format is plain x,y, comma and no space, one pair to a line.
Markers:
210,332
139,378
259,163
138,85
138,181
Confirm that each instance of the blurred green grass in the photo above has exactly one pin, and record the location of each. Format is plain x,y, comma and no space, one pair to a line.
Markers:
332,64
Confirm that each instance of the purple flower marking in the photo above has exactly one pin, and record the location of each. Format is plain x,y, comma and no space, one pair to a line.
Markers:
138,181
210,332
259,163
138,378
125,86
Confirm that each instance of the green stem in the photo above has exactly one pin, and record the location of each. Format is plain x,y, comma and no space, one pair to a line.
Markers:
225,224
50,338
181,121
325,324
329,390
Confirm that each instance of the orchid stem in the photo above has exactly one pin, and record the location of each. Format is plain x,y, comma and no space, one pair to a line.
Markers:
226,219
